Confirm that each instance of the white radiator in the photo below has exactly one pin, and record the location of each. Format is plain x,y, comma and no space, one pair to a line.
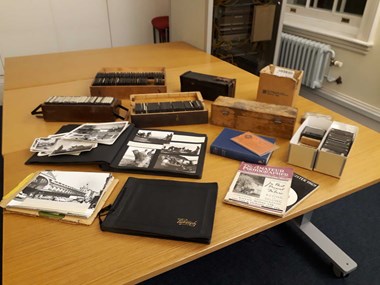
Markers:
303,54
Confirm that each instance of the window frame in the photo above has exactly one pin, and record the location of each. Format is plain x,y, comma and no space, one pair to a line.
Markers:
357,36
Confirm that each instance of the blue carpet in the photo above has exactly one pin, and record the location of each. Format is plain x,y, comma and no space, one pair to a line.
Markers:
282,255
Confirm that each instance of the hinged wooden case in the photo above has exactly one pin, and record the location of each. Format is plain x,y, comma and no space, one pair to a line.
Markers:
257,117
64,109
124,91
170,118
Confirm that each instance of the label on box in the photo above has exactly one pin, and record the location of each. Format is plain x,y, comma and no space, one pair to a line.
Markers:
283,72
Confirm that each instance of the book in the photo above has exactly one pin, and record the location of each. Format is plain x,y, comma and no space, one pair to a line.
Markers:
255,143
224,146
300,189
261,187
161,152
164,209
72,196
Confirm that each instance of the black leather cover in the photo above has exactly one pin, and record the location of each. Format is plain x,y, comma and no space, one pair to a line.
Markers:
210,86
164,209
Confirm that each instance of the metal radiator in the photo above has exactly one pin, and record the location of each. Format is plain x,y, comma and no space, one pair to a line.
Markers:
303,54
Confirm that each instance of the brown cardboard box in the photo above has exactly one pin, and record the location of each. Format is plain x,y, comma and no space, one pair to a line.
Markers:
279,85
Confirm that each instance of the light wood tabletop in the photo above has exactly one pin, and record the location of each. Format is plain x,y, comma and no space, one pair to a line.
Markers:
44,251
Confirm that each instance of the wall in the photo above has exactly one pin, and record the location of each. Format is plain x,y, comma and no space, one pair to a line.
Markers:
42,26
360,75
30,27
130,20
191,22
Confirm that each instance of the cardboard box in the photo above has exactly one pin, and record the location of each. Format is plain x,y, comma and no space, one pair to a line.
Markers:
124,91
279,85
257,117
314,158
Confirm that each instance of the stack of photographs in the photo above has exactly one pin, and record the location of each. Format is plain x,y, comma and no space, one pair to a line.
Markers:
84,138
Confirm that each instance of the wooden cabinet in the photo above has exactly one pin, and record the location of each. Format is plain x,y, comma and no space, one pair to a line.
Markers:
235,31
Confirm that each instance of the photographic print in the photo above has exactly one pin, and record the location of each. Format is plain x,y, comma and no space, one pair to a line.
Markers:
249,185
103,133
69,147
186,138
180,163
43,144
137,157
74,193
155,137
181,148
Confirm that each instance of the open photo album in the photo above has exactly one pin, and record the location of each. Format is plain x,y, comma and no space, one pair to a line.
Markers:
122,147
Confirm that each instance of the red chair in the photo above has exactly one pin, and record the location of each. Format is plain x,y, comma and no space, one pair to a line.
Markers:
161,25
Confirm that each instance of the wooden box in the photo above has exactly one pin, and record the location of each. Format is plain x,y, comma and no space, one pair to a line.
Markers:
124,91
257,117
80,109
168,118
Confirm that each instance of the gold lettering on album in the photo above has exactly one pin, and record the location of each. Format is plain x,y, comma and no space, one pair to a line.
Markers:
186,222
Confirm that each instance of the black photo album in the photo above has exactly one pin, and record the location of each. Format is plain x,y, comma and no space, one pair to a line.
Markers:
161,152
163,209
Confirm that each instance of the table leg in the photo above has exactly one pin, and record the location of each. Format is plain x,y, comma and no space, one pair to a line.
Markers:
342,263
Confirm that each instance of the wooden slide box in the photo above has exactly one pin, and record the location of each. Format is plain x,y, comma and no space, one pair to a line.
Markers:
124,91
168,118
81,112
257,117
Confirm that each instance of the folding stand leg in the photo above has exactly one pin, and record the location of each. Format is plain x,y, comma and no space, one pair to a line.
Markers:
342,263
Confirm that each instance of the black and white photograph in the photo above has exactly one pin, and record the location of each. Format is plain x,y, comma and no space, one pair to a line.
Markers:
181,148
103,133
249,185
43,144
64,147
151,136
137,157
182,163
67,192
188,139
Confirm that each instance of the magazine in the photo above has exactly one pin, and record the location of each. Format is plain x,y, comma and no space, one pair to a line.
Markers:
261,187
300,189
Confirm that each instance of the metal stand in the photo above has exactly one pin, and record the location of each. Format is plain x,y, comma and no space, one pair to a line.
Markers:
342,263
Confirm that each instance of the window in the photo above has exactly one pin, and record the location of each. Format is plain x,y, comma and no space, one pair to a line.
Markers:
348,24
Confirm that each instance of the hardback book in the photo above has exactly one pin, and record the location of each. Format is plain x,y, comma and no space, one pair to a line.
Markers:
301,188
224,146
71,196
161,152
261,187
164,209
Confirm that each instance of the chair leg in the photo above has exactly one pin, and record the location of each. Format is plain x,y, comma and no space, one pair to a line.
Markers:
154,35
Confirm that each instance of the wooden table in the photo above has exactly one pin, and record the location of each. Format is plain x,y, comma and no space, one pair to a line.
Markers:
43,251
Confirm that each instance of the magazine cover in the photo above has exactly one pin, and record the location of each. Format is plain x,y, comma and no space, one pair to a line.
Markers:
300,189
261,187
